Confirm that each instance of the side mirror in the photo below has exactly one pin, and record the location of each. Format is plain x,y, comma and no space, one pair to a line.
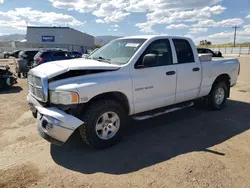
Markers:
149,60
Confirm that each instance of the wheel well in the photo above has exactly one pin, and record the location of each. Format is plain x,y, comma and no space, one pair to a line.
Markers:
223,78
117,96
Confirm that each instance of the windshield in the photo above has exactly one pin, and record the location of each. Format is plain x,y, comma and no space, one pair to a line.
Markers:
118,51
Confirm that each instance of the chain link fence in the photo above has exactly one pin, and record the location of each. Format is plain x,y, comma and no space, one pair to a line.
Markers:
232,50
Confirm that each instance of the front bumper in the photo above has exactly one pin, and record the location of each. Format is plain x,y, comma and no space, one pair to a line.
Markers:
53,125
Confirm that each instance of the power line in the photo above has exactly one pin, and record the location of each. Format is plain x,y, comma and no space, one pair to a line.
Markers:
235,29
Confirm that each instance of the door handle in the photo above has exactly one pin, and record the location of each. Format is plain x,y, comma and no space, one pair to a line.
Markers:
196,69
170,73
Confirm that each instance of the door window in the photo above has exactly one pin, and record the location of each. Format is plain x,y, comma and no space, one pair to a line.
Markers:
184,51
161,48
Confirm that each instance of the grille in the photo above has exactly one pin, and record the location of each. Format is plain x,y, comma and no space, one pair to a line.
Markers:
36,87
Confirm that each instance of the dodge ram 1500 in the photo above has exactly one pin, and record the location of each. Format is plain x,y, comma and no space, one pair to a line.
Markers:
139,76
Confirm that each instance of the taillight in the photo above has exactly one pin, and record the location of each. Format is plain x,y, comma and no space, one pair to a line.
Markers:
40,60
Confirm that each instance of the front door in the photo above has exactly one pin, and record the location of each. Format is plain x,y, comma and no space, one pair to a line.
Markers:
154,85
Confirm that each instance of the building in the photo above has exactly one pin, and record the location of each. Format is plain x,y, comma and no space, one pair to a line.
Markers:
59,37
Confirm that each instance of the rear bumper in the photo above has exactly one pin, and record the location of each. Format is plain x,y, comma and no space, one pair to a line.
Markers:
53,125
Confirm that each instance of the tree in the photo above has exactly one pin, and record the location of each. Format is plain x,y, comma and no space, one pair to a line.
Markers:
205,42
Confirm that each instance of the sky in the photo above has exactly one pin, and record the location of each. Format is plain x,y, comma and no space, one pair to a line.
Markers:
198,19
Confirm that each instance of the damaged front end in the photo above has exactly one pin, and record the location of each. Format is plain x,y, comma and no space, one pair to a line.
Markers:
54,97
53,124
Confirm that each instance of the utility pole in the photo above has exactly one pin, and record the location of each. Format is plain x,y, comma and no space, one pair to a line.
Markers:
235,29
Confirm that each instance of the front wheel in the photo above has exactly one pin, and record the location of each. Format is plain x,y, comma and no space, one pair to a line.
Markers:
104,124
218,96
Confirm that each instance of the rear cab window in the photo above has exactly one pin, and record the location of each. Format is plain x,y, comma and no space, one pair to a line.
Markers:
184,51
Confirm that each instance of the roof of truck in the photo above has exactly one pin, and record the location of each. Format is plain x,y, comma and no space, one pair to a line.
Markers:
152,36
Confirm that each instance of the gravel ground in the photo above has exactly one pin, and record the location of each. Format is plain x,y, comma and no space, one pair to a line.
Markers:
188,148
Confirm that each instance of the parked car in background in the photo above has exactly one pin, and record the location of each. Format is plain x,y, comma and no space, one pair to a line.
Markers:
76,54
89,53
209,51
7,78
44,56
25,61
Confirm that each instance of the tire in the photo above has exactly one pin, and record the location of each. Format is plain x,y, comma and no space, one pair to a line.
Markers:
25,75
219,90
19,75
6,56
34,114
1,84
95,115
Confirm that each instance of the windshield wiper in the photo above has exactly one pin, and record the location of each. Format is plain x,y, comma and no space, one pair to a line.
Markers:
102,59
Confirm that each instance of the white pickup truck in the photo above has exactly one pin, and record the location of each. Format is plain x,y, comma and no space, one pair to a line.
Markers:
140,76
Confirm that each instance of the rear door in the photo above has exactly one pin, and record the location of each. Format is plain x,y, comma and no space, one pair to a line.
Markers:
189,71
154,86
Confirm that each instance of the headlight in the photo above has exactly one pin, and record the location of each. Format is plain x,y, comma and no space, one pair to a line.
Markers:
64,97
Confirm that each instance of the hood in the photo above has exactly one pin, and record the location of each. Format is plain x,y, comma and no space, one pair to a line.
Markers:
55,68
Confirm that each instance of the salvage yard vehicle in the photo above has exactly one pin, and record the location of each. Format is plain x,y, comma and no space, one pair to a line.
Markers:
24,62
47,55
75,54
7,78
140,77
209,51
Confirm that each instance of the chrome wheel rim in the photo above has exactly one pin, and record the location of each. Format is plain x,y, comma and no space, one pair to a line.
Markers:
219,95
107,125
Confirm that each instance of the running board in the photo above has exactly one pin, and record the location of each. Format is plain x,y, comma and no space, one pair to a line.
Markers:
151,115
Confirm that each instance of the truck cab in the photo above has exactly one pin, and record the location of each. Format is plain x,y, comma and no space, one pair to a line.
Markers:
139,76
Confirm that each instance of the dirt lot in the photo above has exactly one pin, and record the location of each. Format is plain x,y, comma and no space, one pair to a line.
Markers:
189,148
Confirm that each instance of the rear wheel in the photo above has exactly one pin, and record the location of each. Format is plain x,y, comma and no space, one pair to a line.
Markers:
218,96
104,124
